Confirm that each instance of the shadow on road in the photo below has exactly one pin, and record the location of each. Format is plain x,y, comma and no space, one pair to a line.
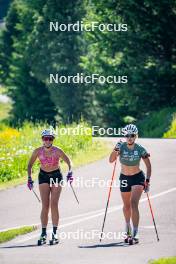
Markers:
120,244
24,246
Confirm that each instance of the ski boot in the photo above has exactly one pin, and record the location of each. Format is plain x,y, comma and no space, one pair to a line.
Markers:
128,236
54,239
134,240
42,240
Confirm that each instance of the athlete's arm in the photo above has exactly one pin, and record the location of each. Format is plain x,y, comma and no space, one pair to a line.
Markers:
31,162
148,166
116,152
66,159
114,155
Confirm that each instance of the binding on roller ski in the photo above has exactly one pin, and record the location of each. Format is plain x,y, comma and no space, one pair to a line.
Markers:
131,239
54,240
42,240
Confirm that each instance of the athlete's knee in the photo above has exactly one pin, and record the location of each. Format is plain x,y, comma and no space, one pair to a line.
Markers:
134,204
127,207
54,204
45,207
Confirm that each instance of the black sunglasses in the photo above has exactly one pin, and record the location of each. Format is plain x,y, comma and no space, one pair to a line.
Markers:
130,136
47,138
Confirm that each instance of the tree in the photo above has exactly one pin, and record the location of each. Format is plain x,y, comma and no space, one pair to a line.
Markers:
6,42
31,98
4,7
146,53
58,53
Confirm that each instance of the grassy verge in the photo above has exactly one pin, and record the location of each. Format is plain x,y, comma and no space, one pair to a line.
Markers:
171,260
4,110
12,233
171,133
155,124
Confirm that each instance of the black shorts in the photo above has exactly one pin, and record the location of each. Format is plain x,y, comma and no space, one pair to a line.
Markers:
126,182
52,177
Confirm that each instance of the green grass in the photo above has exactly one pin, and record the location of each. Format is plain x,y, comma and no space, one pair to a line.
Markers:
4,110
171,260
17,146
157,123
12,233
171,133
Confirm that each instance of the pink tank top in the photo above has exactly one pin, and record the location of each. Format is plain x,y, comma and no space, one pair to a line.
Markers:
46,161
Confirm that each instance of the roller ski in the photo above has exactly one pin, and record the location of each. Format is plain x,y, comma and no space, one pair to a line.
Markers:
128,233
134,239
128,237
42,240
54,240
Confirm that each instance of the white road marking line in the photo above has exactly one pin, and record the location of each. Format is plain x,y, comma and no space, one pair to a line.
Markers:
61,219
95,214
148,227
90,213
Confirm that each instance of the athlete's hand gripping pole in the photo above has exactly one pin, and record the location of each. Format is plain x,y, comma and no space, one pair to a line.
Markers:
30,185
109,194
152,216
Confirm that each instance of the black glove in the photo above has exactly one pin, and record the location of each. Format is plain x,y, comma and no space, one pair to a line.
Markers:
30,183
118,145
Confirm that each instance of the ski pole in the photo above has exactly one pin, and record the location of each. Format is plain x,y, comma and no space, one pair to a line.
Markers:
36,195
152,217
74,193
113,174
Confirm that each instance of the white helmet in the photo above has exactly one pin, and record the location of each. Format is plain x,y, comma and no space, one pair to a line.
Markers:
130,129
48,133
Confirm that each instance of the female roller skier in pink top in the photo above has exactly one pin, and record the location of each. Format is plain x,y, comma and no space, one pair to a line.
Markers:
49,178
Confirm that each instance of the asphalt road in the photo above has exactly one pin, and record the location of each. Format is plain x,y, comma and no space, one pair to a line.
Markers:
80,225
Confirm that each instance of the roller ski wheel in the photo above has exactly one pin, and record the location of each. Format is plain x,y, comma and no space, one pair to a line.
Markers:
54,240
42,240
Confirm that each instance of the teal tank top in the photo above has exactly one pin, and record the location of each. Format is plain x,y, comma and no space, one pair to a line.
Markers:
132,157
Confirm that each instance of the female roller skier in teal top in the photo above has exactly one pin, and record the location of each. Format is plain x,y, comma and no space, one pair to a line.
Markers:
132,178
